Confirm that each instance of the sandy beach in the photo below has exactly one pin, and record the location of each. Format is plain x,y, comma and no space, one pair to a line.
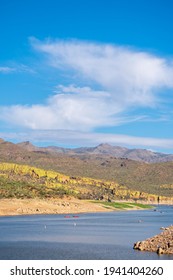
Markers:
10,207
13,206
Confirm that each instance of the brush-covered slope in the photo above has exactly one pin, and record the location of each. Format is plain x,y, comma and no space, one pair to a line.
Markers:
23,181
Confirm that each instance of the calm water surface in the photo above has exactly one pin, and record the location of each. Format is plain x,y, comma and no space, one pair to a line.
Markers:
87,236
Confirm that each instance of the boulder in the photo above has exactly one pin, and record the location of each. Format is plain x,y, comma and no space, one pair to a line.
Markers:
160,251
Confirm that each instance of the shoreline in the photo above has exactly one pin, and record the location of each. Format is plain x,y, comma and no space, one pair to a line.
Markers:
66,205
17,207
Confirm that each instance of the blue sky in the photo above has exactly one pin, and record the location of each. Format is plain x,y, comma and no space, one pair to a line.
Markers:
83,72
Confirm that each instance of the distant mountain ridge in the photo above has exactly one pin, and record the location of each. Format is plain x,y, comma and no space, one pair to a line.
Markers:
122,152
141,155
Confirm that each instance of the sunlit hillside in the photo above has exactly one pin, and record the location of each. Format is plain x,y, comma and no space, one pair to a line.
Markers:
24,181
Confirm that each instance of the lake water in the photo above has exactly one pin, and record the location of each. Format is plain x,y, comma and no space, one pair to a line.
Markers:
88,236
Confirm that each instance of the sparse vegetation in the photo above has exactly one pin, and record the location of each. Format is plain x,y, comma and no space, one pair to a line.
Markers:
24,181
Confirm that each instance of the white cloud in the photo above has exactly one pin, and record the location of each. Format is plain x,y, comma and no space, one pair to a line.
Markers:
122,79
132,77
72,108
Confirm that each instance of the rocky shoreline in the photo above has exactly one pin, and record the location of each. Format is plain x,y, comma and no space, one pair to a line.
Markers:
161,243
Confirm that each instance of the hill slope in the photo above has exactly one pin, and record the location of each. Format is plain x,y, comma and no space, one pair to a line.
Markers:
23,181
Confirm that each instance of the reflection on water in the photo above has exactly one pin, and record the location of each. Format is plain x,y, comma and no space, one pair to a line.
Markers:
86,236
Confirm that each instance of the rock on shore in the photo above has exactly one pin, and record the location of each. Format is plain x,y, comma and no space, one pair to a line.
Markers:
161,243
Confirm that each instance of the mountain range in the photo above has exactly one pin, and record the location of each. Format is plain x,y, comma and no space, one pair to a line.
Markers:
103,149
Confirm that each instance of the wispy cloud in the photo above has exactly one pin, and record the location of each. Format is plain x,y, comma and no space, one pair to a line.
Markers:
22,68
132,77
16,68
6,70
